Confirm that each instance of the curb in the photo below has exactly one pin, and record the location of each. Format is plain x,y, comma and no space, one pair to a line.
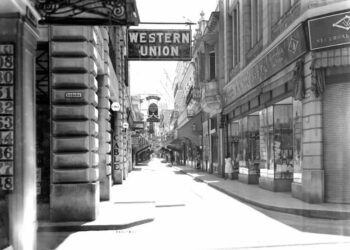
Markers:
75,228
311,213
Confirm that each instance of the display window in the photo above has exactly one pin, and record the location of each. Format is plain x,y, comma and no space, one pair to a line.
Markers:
234,142
277,140
266,132
283,141
297,141
249,145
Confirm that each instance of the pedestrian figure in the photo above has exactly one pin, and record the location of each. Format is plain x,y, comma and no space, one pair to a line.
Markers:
172,157
228,167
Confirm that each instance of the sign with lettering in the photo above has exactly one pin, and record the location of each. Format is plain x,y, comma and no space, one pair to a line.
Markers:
7,112
116,156
289,49
159,45
329,31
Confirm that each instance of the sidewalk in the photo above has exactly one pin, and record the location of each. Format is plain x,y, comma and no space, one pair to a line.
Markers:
125,209
275,201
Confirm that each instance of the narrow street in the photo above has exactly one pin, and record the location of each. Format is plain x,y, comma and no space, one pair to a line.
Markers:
192,215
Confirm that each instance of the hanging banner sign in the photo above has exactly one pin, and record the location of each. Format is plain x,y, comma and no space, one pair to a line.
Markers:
329,31
7,112
163,45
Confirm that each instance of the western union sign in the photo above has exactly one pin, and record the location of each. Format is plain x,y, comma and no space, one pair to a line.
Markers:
159,45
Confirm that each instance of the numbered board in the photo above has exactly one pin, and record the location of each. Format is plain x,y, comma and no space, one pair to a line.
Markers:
7,115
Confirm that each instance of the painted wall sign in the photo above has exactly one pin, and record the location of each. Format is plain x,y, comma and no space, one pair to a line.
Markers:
159,45
87,12
289,49
329,31
7,114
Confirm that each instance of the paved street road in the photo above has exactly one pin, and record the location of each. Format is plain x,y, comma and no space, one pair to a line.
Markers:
192,215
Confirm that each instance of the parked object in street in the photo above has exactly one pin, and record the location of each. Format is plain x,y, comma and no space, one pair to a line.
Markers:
228,167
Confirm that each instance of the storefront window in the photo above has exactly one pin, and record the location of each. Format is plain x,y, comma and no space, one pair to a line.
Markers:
249,145
242,145
253,149
265,135
283,141
234,134
277,140
297,137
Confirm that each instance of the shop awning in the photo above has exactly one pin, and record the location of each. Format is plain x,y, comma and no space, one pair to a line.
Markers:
140,150
192,130
175,147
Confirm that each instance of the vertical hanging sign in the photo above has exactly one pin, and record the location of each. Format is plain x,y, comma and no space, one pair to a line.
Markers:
7,114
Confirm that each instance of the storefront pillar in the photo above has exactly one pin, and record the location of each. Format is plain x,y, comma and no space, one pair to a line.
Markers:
312,170
75,189
117,171
104,117
222,148
104,138
18,40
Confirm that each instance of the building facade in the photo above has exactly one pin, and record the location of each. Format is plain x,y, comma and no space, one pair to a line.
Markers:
273,83
284,94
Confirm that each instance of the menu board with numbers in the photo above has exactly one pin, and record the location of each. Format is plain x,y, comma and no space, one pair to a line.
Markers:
7,114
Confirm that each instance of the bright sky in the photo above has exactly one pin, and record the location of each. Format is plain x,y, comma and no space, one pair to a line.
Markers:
149,77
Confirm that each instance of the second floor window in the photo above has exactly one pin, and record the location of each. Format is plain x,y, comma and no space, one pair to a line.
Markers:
201,67
256,21
212,65
279,8
236,34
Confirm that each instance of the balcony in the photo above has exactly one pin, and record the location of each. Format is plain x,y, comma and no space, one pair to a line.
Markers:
211,100
193,95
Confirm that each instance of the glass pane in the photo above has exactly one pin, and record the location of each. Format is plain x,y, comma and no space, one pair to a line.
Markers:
244,144
283,141
297,140
270,153
264,141
253,144
234,144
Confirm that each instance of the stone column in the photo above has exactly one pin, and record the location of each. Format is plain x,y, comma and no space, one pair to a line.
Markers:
104,117
104,151
312,172
221,141
18,39
75,187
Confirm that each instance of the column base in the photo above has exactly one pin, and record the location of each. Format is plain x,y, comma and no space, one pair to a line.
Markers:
74,202
313,185
297,190
117,176
105,188
249,178
275,185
